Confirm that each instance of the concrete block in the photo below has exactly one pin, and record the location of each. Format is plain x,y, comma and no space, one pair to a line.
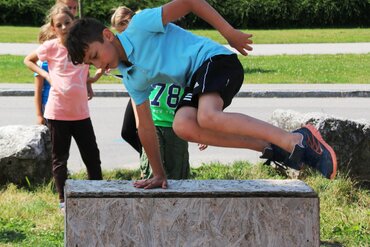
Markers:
192,213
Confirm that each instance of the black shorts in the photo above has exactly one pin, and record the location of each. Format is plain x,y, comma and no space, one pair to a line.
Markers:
223,74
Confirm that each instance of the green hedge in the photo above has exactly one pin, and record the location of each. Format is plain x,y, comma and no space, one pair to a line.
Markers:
240,13
24,12
102,9
292,13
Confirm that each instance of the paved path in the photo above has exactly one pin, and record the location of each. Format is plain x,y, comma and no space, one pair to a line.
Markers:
259,50
300,49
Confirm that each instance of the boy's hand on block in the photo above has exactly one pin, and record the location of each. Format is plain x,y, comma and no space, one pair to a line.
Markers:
155,182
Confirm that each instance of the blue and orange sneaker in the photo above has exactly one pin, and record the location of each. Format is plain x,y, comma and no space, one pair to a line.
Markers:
282,158
317,153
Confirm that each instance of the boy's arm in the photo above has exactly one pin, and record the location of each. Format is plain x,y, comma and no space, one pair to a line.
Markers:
149,140
179,8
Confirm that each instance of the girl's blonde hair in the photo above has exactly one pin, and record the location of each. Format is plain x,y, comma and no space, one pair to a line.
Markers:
69,3
65,1
119,14
45,33
58,8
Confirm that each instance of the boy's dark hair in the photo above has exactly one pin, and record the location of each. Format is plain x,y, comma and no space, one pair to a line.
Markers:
83,32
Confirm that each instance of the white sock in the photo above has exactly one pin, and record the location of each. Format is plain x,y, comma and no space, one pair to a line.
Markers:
300,143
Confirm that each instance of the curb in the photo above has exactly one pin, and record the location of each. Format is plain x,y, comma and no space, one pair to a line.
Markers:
242,94
303,94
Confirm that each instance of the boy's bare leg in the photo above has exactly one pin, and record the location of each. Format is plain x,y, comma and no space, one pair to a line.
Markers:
186,126
210,116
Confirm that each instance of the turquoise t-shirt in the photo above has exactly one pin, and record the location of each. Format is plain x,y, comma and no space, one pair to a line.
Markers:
164,99
161,53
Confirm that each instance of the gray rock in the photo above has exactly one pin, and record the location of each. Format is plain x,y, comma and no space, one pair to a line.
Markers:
25,153
350,139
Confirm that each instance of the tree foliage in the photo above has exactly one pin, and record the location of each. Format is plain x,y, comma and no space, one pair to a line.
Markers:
240,13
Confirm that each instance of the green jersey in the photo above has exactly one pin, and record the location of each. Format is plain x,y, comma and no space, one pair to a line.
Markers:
163,102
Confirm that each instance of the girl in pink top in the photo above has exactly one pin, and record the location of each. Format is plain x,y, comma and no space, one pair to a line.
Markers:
67,109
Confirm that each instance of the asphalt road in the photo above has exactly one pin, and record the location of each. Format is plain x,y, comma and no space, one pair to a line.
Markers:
107,117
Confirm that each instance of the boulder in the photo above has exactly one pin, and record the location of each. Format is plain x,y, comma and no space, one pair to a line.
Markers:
349,138
25,154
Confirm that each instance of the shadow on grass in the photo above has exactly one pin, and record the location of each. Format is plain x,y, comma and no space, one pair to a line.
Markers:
11,236
258,71
330,244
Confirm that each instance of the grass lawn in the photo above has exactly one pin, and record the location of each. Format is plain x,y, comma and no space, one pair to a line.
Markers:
258,69
285,36
292,36
30,217
307,69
